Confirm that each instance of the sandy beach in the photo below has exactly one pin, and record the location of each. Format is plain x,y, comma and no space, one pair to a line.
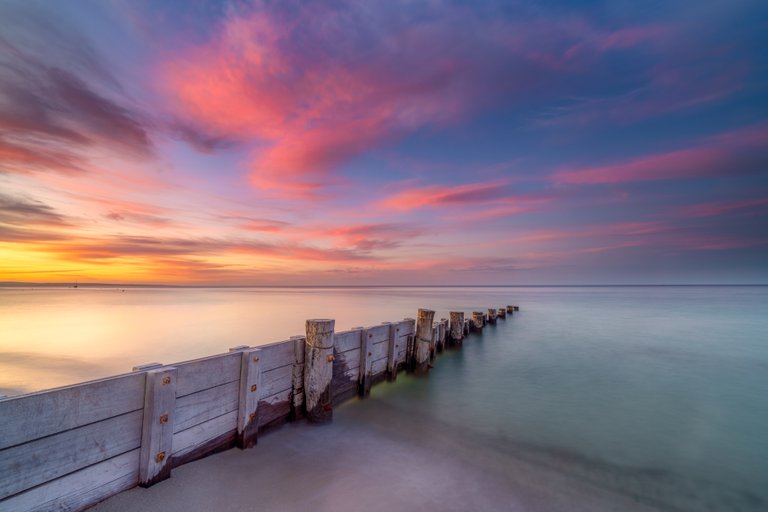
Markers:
370,458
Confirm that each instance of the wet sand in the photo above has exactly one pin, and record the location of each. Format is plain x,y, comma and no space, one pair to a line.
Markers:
373,457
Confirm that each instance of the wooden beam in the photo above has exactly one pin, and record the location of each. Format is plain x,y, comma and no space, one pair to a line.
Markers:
248,403
365,374
297,383
491,315
392,349
157,427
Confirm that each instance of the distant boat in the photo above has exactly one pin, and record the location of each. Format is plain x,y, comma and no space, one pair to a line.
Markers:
75,285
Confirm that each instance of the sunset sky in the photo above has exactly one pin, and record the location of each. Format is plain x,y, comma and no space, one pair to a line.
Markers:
388,142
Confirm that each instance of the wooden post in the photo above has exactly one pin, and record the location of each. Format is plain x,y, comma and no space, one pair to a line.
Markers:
423,339
318,370
366,364
392,347
434,341
297,378
517,308
157,427
457,327
502,313
248,402
441,335
478,321
491,315
510,309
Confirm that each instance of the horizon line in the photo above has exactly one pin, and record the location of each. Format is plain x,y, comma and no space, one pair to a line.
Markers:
9,284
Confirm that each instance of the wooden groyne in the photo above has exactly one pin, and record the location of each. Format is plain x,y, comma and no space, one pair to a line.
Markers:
72,447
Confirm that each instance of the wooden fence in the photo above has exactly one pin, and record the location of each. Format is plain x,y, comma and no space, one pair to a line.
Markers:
71,447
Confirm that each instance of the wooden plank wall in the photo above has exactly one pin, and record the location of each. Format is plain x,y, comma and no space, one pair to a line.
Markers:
71,447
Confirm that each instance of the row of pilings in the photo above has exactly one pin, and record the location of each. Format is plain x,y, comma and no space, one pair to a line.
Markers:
430,336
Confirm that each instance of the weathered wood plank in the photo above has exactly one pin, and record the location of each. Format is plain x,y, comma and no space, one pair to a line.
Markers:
205,405
188,440
346,340
343,391
274,409
379,350
207,372
277,380
378,333
34,463
378,367
350,359
27,417
408,326
248,403
277,354
80,489
157,429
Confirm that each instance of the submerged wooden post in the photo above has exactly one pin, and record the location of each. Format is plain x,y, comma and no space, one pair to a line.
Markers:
510,309
318,370
392,348
297,378
441,335
517,308
478,320
423,339
248,402
502,313
491,315
365,374
157,427
434,341
457,327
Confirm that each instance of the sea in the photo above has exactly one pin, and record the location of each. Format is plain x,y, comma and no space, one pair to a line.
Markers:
655,394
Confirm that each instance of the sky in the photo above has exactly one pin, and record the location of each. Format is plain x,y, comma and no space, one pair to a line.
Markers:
352,142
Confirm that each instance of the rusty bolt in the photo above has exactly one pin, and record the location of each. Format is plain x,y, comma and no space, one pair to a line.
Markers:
163,419
166,380
160,457
330,359
252,416
370,335
369,354
253,388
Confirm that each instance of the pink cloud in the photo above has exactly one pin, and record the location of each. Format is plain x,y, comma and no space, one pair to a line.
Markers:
445,195
713,209
721,155
313,87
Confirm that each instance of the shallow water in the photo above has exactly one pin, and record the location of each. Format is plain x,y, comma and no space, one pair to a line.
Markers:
655,394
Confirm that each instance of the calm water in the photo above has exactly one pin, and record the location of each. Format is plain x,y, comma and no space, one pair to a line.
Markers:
656,394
